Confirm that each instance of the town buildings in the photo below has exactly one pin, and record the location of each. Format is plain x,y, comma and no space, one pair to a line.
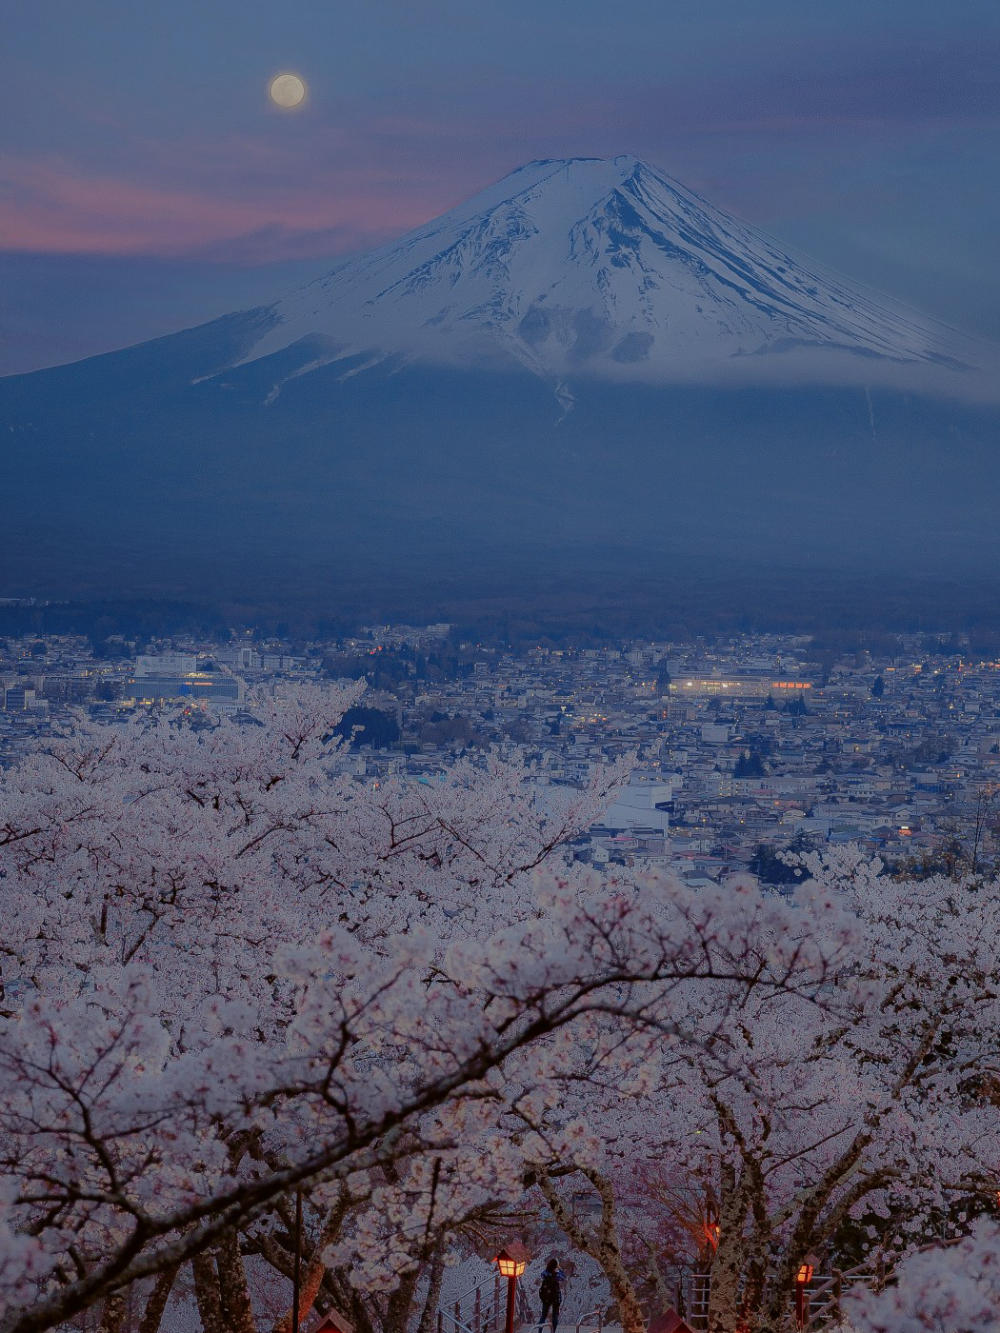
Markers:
757,742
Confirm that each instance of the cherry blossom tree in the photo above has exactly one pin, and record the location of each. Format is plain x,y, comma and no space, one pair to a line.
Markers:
228,974
940,1289
799,1111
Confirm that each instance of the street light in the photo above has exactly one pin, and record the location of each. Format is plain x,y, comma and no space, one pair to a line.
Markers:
512,1264
297,1268
712,1228
802,1279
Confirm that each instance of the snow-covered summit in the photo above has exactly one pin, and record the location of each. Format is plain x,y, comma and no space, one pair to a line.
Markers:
592,266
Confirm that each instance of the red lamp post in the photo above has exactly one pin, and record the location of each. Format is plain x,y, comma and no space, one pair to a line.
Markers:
512,1264
712,1228
803,1277
297,1269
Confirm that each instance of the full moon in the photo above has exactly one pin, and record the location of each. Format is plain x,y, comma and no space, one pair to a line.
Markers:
287,90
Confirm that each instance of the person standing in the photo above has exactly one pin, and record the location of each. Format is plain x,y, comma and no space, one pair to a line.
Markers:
550,1293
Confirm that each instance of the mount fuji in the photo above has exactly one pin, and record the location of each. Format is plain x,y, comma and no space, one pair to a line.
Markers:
585,367
596,267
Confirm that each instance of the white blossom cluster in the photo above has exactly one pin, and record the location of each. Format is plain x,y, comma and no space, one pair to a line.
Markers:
228,974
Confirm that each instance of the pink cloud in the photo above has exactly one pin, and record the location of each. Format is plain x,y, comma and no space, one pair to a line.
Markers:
313,186
345,176
49,205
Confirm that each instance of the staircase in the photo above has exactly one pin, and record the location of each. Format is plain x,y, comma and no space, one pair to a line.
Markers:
483,1309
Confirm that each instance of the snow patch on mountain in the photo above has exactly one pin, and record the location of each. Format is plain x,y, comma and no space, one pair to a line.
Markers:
599,267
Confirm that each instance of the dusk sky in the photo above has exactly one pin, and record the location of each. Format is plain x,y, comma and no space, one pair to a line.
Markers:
148,183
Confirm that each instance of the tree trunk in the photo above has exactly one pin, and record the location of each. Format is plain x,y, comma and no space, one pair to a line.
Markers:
313,1273
663,1293
157,1303
428,1316
776,1315
755,1276
739,1259
207,1293
113,1314
400,1304
363,1318
630,1313
724,1290
233,1289
604,1246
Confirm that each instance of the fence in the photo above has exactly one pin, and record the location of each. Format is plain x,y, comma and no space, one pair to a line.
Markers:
822,1302
483,1309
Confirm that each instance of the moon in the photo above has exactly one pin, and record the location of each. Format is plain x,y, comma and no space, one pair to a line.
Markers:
287,90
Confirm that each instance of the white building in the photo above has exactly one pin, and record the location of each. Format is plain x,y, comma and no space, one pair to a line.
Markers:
642,804
166,664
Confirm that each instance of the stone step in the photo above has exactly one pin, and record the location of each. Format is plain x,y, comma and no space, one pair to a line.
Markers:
569,1326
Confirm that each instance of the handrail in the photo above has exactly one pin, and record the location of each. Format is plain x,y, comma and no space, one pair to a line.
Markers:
822,1295
488,1310
584,1320
484,1309
832,1287
456,1323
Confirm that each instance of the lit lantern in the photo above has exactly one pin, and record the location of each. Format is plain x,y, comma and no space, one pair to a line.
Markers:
802,1279
510,1265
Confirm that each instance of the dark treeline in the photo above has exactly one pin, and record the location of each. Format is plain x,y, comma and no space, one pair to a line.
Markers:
840,615
846,613
99,621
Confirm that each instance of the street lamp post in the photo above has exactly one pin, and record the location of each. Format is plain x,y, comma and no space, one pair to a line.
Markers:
297,1268
511,1264
803,1277
712,1228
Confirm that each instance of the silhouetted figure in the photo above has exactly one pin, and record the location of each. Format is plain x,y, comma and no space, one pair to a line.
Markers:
550,1293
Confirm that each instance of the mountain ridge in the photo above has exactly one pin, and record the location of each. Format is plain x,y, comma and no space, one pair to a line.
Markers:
603,267
293,450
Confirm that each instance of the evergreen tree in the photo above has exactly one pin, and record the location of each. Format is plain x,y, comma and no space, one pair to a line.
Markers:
749,765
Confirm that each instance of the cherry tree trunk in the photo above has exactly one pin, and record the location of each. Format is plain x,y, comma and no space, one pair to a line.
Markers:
776,1315
313,1274
663,1293
428,1317
113,1314
208,1294
629,1310
602,1245
157,1302
723,1300
400,1304
233,1289
754,1277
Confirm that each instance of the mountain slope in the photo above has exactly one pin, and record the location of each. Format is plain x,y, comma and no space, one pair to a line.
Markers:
404,422
595,267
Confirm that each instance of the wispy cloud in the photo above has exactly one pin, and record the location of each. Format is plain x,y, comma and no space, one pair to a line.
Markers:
352,174
50,206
